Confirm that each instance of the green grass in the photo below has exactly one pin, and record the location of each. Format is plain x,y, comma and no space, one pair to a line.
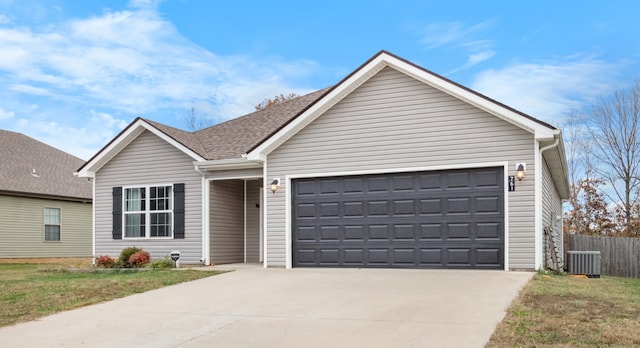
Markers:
563,311
30,291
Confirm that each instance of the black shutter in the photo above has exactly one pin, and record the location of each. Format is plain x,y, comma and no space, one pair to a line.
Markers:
178,211
117,213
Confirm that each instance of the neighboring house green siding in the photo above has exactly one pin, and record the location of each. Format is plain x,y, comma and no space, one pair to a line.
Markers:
393,122
22,228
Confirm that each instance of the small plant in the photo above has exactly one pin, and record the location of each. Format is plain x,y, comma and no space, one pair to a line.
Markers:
162,264
125,255
105,261
139,259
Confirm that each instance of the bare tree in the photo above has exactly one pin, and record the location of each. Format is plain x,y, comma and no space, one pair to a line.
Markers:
571,130
195,122
589,213
615,133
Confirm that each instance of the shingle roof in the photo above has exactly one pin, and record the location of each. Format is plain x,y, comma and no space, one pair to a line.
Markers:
235,137
20,155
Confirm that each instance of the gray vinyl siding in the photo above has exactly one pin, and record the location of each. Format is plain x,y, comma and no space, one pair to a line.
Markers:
227,221
551,203
253,208
149,160
393,122
22,228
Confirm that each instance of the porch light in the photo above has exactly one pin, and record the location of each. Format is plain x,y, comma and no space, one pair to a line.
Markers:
520,170
275,185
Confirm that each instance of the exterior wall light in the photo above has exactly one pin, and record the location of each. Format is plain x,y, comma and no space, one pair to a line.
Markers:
275,185
521,168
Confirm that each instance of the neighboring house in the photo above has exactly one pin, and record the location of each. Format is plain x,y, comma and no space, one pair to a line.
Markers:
394,166
45,211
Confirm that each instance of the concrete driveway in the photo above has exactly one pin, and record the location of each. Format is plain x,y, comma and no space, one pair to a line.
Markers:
291,308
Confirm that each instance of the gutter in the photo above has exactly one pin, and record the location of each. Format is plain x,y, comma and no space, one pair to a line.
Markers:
555,142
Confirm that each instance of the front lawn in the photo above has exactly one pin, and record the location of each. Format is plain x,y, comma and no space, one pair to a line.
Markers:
563,311
30,291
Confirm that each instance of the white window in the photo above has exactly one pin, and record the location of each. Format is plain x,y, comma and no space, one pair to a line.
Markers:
52,224
148,212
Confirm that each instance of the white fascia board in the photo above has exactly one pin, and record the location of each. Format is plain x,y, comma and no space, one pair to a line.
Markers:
228,164
329,100
124,139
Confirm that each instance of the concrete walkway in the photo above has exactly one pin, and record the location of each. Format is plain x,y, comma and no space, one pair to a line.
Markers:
291,308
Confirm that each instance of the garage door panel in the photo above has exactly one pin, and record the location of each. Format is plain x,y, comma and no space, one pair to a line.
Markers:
431,231
354,232
429,182
354,209
378,232
431,257
406,256
403,183
306,188
404,232
354,256
488,230
404,207
458,206
328,233
457,180
488,179
378,256
491,256
430,207
459,231
448,219
488,204
459,256
377,184
329,210
353,186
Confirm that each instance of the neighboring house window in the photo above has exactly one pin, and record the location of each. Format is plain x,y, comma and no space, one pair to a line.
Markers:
52,224
148,212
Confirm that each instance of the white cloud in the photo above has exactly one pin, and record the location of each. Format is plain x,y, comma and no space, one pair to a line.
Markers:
6,114
439,34
547,90
133,61
82,139
4,19
457,35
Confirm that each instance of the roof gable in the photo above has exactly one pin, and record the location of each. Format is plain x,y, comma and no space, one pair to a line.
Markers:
178,138
30,167
227,140
541,130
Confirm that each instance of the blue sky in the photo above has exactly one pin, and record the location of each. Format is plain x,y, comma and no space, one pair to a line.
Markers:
75,73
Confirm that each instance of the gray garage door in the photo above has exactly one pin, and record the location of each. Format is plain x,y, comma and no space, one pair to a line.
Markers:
438,219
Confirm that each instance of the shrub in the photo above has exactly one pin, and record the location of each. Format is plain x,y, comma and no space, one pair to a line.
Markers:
139,259
125,255
161,264
105,261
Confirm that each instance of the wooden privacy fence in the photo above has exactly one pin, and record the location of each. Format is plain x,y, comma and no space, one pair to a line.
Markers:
620,255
